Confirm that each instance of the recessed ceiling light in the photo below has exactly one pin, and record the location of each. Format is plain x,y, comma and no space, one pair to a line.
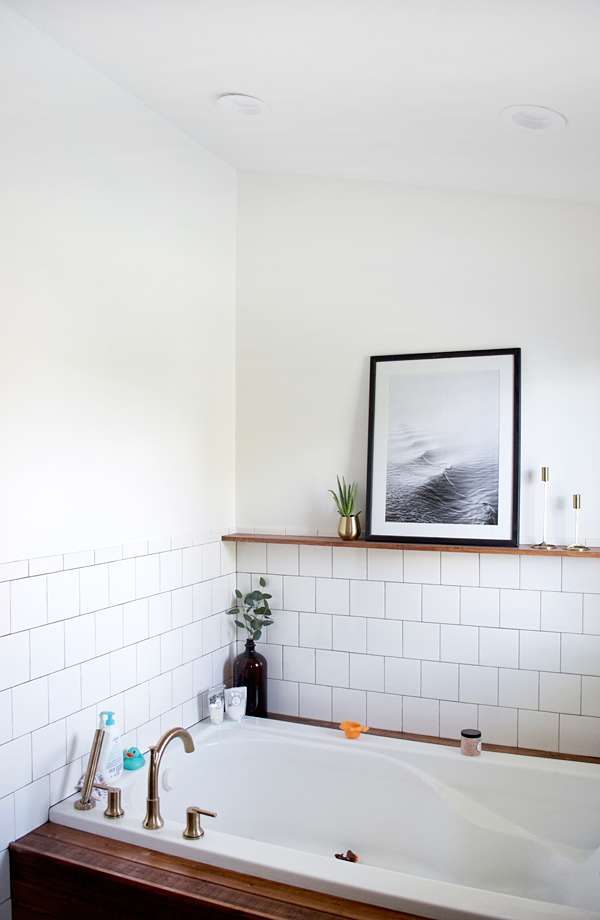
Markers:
238,104
534,118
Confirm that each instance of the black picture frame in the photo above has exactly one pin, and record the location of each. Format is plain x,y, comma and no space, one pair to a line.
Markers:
444,448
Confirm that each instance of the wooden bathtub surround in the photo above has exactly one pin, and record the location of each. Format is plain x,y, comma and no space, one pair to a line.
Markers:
297,540
58,872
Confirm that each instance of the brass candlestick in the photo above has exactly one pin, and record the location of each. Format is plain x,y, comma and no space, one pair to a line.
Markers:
577,546
544,544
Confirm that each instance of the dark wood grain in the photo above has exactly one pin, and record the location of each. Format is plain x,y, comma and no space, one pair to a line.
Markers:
296,539
59,872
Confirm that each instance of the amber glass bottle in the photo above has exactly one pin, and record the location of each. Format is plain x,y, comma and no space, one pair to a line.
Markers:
250,671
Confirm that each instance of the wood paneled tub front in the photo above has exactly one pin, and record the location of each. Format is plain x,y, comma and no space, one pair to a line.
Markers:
437,835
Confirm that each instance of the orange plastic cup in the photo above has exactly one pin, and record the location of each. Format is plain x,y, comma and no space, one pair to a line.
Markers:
353,729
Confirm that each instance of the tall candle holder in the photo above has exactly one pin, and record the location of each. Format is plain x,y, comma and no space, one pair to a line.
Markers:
577,546
544,544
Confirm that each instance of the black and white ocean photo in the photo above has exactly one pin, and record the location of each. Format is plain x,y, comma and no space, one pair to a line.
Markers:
443,448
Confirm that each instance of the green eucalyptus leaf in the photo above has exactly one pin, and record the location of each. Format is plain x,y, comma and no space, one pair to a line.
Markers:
241,625
262,582
257,635
238,593
267,622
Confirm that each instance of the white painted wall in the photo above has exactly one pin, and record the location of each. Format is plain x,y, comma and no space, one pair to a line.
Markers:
117,327
333,271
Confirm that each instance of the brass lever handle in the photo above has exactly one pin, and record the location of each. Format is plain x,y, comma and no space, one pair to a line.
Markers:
114,808
193,829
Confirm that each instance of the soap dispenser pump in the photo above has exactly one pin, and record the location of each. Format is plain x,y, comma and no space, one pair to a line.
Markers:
110,763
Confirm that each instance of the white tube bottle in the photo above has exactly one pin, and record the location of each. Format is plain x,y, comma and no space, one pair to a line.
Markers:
110,762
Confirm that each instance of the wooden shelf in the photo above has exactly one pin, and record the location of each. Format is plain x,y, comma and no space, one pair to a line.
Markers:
297,540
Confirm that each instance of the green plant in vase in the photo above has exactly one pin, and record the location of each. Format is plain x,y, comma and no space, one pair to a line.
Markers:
345,500
250,667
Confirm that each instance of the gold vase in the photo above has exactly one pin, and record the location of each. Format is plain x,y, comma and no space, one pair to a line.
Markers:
349,528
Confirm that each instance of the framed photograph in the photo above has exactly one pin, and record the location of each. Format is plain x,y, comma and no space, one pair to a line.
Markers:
443,464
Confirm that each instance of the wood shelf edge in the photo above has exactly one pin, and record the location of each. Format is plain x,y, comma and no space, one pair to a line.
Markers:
299,540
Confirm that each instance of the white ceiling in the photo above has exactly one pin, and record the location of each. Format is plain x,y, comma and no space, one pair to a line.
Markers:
406,91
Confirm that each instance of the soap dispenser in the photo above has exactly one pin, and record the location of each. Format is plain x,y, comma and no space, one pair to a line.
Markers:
110,763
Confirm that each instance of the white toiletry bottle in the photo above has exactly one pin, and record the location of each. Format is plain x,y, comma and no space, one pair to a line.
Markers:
110,763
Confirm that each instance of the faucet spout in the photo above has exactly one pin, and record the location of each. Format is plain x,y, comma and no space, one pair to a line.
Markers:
153,819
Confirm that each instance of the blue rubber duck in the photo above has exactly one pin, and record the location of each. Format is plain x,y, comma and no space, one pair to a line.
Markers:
133,759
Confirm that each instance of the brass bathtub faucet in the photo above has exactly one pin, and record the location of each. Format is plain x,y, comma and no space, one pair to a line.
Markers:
153,819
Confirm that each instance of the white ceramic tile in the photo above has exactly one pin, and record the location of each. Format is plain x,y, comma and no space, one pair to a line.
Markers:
422,567
518,689
43,565
252,557
349,705
538,730
108,554
193,710
315,630
498,725
402,602
135,621
148,734
159,546
314,702
333,595
171,570
202,674
590,696
49,748
109,630
93,588
79,639
581,575
366,672
121,582
30,706
31,806
47,645
367,599
5,904
385,564
316,561
11,570
403,676
579,735
274,656
421,717
14,655
498,571
6,731
223,593
479,606
228,558
299,664
499,647
541,573
4,608
284,630
148,658
171,648
332,668
478,685
349,634
63,595
28,603
384,637
192,565
349,562
229,631
580,654
95,680
160,692
159,614
202,600
182,606
123,669
591,614
7,821
539,651
562,612
560,692
64,693
181,541
439,680
519,609
421,640
454,717
80,732
211,636
182,684
282,697
460,569
384,710
78,560
172,717
441,604
64,780
299,593
192,642
147,575
282,559
15,765
130,550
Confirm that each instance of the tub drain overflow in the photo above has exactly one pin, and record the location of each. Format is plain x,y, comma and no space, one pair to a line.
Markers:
349,857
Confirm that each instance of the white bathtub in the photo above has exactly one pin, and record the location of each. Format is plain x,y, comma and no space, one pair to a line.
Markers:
438,834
